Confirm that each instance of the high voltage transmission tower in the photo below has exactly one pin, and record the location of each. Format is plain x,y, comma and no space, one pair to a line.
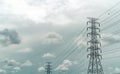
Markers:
48,68
95,66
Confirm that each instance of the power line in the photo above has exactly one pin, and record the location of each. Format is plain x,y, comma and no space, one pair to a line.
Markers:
68,46
109,9
68,52
111,25
114,15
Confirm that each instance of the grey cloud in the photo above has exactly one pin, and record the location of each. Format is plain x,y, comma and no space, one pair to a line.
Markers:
16,69
27,63
117,70
41,69
52,38
9,37
10,63
48,55
55,12
66,65
110,39
2,71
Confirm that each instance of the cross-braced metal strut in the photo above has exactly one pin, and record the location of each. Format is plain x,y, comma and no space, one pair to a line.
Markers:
48,68
95,66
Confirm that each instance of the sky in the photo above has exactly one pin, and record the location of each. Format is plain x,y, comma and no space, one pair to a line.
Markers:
33,32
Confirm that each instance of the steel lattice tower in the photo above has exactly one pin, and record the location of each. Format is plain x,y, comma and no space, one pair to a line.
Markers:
48,68
95,66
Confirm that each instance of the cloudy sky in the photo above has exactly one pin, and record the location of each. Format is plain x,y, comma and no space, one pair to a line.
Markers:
33,32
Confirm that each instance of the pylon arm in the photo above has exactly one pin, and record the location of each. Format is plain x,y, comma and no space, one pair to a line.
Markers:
91,47
99,56
88,55
98,23
91,33
91,28
98,29
88,22
99,50
88,28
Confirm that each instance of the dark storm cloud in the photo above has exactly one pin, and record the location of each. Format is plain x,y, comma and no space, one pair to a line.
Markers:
8,37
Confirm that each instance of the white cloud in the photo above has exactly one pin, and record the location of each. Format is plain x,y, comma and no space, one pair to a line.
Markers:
60,20
41,69
10,63
27,63
22,8
80,41
66,65
117,70
51,38
26,50
53,12
75,62
62,68
38,14
16,69
48,55
5,61
13,63
110,68
113,70
110,39
2,71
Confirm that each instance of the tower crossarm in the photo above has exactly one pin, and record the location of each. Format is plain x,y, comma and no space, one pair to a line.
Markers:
95,66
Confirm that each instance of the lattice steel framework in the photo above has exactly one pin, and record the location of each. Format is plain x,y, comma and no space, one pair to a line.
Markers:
95,66
48,68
